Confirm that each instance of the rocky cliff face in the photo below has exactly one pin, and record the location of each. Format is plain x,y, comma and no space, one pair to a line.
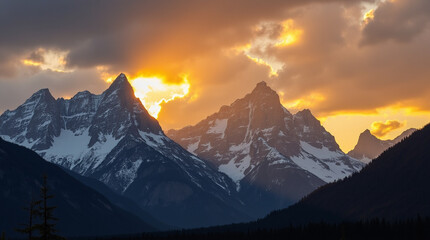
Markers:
274,157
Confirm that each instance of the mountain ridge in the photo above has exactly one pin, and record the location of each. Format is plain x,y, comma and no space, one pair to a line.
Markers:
111,137
274,157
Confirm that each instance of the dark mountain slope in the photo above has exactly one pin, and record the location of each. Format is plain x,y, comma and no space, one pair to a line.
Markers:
119,200
80,209
393,186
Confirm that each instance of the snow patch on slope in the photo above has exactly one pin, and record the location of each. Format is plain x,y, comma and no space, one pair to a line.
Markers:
323,163
71,148
193,146
218,127
128,173
235,169
321,153
153,140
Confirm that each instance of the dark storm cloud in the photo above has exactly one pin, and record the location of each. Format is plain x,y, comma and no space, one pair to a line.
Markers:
335,56
167,37
399,20
119,33
328,60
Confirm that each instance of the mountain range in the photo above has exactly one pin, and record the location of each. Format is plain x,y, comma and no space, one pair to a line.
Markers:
238,164
369,146
112,138
274,157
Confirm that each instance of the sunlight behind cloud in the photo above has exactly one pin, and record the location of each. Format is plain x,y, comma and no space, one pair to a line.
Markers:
153,91
368,16
49,60
289,34
306,102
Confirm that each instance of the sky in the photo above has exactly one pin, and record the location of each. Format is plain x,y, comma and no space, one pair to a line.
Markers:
355,64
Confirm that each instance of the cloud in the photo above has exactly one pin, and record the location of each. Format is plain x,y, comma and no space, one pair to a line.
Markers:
328,67
167,38
380,129
329,62
132,35
400,20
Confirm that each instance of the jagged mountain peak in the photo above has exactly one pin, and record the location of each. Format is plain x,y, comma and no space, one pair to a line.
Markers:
306,115
304,112
367,136
262,93
367,133
43,94
369,146
122,86
43,91
120,81
82,93
262,86
257,142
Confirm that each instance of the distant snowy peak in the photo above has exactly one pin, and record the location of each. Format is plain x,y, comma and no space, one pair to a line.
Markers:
369,146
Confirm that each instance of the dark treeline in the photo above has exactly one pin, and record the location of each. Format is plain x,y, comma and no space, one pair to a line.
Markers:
374,229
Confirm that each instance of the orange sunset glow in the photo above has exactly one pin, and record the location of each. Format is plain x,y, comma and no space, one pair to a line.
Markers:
215,119
153,91
336,72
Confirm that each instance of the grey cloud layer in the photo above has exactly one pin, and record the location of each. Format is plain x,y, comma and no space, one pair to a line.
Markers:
336,56
400,20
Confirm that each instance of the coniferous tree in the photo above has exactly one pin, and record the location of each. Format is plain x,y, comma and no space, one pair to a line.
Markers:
47,228
33,213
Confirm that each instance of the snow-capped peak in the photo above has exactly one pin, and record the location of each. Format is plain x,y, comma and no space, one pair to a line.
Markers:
263,147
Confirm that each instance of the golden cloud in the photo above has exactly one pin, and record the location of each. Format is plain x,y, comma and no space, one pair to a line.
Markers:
380,129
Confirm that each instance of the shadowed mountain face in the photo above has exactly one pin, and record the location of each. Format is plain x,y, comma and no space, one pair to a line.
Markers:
393,186
369,147
274,157
80,209
112,138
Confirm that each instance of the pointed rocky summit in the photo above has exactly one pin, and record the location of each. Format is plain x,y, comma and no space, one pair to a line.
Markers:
274,157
